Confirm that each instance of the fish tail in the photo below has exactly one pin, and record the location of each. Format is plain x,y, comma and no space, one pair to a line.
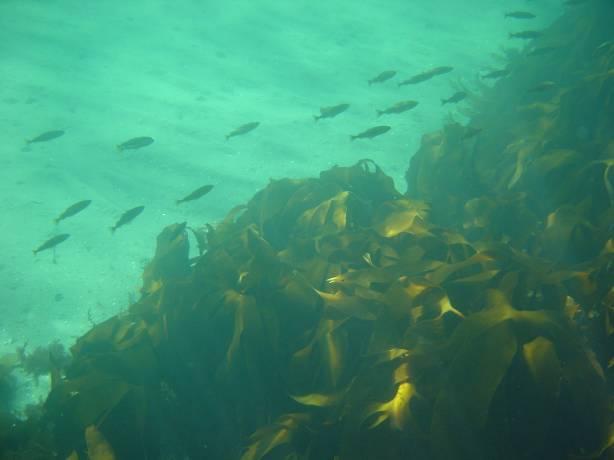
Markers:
119,148
56,220
34,251
227,136
352,137
379,113
113,229
316,118
443,102
511,35
178,202
369,82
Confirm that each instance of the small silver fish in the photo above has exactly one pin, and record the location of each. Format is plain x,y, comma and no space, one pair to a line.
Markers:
427,75
46,136
196,194
496,74
399,107
51,243
519,15
332,111
455,98
72,210
127,217
243,129
542,87
382,77
526,34
135,143
371,132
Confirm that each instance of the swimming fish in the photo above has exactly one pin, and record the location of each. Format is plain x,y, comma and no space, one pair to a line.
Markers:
135,143
427,75
72,210
526,34
371,132
519,15
382,77
399,107
51,243
46,136
196,194
496,74
243,129
455,98
332,111
541,87
127,217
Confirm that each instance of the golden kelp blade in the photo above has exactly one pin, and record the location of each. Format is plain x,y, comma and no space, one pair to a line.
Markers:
401,216
97,446
269,437
544,365
319,399
329,216
348,306
397,410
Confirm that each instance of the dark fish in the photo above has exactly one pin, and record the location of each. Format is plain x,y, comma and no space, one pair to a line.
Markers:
46,136
496,74
541,87
243,129
135,143
196,194
399,107
526,34
72,210
455,98
332,111
470,132
51,242
371,132
519,15
127,217
382,77
427,75
441,70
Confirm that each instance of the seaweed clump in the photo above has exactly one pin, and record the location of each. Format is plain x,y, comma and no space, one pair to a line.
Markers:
330,318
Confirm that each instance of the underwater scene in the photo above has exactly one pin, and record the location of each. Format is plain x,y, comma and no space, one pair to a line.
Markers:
291,230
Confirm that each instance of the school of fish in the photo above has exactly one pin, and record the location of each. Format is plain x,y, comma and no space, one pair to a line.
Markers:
325,112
